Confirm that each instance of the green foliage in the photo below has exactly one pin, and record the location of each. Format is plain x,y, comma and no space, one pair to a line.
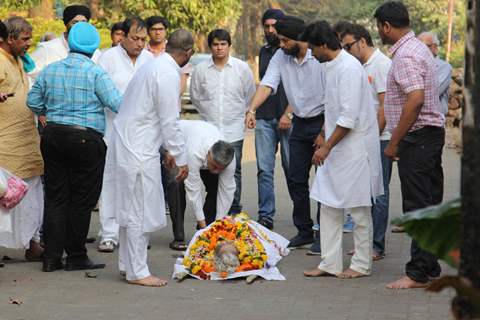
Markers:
436,229
19,4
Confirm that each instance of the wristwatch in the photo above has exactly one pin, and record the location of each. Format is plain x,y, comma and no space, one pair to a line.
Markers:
289,115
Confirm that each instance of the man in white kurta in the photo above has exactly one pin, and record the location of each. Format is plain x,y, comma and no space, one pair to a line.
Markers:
121,63
148,120
349,175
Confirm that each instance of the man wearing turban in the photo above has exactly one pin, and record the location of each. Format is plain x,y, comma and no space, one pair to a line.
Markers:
303,78
57,49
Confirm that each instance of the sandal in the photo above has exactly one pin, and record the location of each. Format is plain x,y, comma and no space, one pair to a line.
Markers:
178,245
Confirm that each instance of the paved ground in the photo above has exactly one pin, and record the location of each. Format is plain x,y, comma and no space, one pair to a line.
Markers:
70,295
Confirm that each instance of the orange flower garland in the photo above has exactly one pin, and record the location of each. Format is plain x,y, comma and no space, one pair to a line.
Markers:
252,255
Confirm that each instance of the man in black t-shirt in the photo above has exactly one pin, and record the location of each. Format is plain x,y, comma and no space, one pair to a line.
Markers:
274,119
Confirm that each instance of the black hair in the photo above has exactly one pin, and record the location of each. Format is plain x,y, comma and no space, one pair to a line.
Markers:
133,21
116,26
321,33
341,26
358,32
3,31
153,20
219,34
393,12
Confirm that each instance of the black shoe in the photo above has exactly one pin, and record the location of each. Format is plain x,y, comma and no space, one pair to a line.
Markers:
299,241
266,222
90,240
86,264
51,265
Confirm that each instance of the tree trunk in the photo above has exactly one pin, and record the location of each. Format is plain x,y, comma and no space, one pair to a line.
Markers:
96,8
470,248
44,10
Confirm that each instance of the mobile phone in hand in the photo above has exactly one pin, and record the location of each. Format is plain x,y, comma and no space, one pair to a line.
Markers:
11,94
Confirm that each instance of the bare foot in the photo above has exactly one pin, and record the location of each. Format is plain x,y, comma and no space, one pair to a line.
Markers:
35,252
149,281
406,283
351,274
317,273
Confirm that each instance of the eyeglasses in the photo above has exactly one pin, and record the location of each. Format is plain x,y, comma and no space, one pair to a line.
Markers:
349,46
157,29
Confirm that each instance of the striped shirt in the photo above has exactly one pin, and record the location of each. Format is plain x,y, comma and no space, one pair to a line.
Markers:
413,68
74,91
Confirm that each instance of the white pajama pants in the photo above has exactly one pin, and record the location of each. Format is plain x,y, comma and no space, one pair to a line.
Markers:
331,234
132,252
109,227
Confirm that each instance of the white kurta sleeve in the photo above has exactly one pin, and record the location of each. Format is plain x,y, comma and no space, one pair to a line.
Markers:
351,100
272,76
193,186
195,87
39,56
226,190
166,93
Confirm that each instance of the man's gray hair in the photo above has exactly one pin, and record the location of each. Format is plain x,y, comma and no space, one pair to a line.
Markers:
431,34
222,153
16,25
180,40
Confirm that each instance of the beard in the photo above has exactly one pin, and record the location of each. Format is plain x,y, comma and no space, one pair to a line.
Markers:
272,40
292,51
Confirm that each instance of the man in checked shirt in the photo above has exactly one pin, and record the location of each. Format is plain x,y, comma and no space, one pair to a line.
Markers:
73,93
413,115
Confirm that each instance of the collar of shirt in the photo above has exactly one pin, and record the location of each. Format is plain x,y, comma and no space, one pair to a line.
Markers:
308,56
211,63
338,59
9,56
401,42
172,62
79,56
375,53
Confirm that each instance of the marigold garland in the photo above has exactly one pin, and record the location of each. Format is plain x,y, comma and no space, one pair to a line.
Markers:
252,254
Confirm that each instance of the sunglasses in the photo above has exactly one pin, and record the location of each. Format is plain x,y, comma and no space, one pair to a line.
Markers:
349,46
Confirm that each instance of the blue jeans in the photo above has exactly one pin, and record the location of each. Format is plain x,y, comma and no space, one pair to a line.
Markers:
267,138
236,205
380,208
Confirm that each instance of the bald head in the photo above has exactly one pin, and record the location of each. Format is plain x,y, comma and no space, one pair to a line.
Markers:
430,39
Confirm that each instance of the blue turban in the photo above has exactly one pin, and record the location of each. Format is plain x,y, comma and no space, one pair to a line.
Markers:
83,38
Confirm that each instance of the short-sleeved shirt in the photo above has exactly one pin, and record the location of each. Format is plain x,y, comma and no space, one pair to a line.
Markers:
413,68
377,68
304,82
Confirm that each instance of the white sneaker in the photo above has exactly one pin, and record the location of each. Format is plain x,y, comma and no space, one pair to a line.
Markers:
106,246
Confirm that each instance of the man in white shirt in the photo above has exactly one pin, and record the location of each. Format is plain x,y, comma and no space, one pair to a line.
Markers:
303,78
221,89
444,69
57,49
117,34
210,161
357,41
349,175
148,120
121,63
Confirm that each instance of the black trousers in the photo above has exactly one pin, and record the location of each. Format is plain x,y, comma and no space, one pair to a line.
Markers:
176,199
74,163
421,178
304,133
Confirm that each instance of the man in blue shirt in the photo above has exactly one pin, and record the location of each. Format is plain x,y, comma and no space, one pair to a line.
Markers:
72,93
